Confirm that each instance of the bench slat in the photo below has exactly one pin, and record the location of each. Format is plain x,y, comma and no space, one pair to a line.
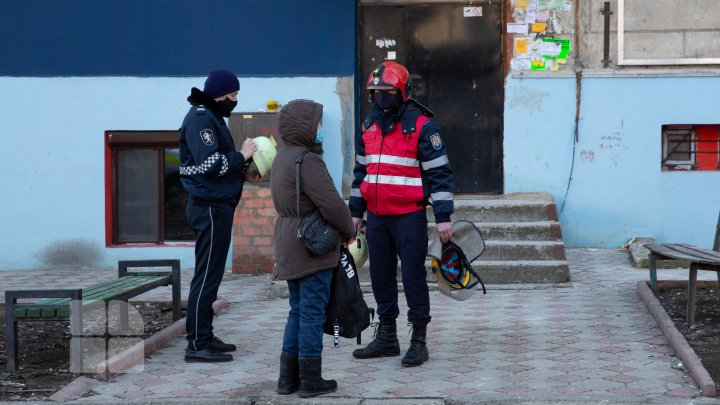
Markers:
90,291
685,252
105,292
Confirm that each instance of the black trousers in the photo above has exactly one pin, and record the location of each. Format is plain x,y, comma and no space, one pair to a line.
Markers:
212,224
389,237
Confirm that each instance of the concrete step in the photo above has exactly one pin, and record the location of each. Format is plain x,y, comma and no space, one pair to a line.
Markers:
504,271
523,250
514,231
503,210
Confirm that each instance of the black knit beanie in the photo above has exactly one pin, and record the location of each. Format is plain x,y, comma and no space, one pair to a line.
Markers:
221,82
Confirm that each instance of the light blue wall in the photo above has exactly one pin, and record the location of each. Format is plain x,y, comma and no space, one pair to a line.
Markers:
52,154
617,189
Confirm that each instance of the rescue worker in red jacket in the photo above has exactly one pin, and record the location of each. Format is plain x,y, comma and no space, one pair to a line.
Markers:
401,164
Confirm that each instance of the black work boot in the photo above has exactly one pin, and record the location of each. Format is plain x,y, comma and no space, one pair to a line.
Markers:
417,354
289,380
385,344
311,381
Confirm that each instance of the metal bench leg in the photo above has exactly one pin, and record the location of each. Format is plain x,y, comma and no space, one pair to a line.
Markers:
692,297
11,333
176,289
652,259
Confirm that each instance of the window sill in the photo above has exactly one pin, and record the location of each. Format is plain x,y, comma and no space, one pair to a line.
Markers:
153,245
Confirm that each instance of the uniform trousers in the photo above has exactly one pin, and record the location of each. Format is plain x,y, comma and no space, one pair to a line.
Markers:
212,224
390,236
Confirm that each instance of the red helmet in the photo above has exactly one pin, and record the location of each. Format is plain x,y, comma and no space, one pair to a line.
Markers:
391,75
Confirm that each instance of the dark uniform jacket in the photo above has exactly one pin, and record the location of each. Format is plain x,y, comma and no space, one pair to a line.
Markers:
211,170
297,124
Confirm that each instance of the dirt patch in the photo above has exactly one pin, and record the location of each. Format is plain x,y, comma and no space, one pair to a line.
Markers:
45,353
704,336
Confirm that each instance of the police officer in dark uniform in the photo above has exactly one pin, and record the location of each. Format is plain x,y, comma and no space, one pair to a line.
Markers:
401,163
213,173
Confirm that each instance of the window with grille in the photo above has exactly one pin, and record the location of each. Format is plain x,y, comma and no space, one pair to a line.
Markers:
690,147
146,200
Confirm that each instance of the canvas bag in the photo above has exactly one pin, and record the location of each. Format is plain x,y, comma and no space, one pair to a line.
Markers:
316,234
347,314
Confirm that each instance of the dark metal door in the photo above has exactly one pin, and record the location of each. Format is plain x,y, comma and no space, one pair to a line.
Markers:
455,62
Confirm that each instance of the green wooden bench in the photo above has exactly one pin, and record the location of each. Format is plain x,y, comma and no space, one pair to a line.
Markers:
699,258
71,304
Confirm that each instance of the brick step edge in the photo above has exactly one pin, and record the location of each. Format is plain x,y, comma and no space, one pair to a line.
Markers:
690,360
127,358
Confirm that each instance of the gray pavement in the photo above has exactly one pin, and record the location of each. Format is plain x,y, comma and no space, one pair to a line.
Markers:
588,341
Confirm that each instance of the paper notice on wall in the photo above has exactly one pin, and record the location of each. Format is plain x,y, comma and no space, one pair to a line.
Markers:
521,46
473,11
530,18
557,4
520,63
392,55
539,27
567,7
521,4
543,5
542,16
564,47
538,64
550,49
517,28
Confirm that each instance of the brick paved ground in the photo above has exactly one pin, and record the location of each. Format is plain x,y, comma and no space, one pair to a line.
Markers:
589,341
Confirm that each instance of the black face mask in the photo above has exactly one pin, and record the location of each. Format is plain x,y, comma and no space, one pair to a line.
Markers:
387,101
226,106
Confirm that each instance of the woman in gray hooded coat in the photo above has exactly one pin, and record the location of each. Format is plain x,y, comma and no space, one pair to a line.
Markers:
308,276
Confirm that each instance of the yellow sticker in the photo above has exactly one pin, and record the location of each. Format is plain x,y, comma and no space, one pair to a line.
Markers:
247,116
539,27
521,46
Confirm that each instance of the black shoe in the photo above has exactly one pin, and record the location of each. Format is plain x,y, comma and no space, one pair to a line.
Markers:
311,382
218,345
289,380
206,356
385,344
417,354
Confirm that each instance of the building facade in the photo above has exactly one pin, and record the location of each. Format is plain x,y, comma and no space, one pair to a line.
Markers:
625,139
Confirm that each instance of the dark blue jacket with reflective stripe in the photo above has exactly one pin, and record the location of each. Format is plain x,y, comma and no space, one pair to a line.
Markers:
211,169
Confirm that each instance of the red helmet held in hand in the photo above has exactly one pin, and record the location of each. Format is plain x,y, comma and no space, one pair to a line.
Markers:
391,75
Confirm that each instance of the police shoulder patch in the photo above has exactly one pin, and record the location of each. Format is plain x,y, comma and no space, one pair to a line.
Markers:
207,136
436,141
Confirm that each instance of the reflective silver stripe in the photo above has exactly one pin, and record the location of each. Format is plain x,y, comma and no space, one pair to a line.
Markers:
431,164
394,180
355,192
441,196
360,159
393,160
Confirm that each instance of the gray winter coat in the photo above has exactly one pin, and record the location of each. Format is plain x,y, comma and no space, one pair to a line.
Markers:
297,124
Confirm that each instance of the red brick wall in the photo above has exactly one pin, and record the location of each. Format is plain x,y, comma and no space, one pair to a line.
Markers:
253,227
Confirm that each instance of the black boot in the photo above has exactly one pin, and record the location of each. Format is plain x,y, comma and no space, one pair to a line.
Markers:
289,380
385,344
311,381
417,354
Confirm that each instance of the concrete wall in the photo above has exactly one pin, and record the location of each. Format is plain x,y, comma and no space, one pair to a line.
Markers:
617,189
653,30
52,157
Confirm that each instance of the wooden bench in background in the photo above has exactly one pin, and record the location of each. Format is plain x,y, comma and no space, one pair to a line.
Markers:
699,258
69,304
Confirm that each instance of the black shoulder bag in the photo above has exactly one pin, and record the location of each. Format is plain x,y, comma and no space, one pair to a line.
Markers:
317,235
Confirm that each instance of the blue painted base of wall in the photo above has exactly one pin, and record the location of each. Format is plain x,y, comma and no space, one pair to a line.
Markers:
609,183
